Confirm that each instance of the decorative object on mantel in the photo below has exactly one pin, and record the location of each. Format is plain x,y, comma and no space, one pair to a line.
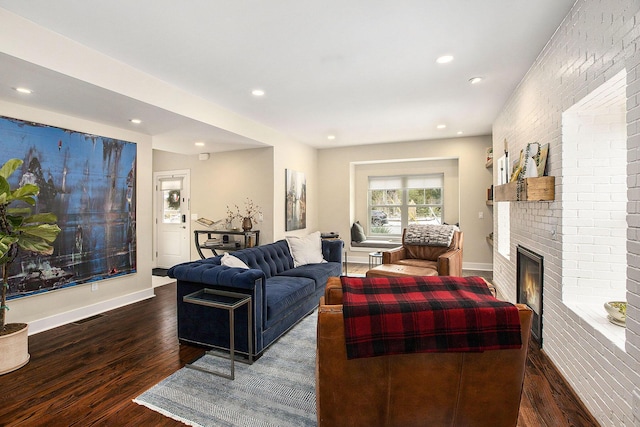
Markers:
252,213
20,229
617,311
528,166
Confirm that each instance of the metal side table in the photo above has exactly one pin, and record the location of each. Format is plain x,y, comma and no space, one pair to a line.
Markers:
229,301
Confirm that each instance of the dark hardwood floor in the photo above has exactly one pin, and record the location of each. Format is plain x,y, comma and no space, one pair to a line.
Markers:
87,374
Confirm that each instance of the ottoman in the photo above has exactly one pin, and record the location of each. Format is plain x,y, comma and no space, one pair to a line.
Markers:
396,270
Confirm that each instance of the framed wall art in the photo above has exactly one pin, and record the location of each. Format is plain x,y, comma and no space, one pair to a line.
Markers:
295,200
89,183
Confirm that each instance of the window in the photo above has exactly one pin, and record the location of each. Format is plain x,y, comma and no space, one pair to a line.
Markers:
397,201
171,210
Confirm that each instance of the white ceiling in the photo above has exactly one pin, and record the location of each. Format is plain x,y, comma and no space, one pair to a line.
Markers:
362,70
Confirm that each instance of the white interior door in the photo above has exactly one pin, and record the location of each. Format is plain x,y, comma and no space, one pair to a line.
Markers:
172,224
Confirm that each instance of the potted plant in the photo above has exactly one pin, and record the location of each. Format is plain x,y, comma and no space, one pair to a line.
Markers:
19,230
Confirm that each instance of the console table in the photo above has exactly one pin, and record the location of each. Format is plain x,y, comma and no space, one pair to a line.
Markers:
251,238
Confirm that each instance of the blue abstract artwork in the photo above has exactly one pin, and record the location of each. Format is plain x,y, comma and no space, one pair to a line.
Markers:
89,182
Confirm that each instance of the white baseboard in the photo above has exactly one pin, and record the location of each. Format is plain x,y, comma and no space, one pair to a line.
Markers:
477,266
51,322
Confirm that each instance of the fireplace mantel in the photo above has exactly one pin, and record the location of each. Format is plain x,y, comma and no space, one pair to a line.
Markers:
539,189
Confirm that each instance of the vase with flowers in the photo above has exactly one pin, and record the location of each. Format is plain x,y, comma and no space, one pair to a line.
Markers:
251,214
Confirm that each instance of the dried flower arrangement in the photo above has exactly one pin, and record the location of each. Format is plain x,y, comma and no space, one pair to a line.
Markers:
252,211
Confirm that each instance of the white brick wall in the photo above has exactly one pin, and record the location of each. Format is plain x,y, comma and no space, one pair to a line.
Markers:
594,196
597,40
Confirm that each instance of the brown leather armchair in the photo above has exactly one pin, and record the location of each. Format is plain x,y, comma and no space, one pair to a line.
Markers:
425,389
434,260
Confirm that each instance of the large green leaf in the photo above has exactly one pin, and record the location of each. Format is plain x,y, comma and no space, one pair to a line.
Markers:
5,188
21,212
15,221
41,218
10,167
26,193
5,243
46,232
35,245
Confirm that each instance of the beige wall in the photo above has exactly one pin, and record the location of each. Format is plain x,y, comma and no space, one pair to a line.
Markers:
226,179
336,172
60,306
447,167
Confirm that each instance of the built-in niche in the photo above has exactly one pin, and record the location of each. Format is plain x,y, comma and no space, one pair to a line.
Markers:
594,203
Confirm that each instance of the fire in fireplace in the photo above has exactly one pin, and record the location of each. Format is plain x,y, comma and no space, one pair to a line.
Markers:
529,287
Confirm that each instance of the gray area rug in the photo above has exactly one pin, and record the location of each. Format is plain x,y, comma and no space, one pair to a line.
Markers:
278,390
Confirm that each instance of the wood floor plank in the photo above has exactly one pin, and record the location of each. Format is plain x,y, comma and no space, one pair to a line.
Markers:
88,374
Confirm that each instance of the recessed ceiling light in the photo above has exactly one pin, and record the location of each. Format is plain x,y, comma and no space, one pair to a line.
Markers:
136,121
441,126
444,59
257,92
200,144
475,80
331,137
23,90
460,132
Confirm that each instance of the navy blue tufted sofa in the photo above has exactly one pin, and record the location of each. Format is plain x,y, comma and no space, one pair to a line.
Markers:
281,294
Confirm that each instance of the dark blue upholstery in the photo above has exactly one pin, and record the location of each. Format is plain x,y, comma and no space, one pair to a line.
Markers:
281,294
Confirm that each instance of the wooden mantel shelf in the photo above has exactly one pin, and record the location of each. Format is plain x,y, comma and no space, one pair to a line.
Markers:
533,190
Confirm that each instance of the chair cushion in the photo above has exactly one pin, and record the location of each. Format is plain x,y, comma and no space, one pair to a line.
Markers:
423,263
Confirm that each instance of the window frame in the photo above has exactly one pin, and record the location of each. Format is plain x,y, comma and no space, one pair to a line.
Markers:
404,205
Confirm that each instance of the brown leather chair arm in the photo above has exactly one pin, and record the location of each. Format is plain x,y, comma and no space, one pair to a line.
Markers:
332,292
450,263
394,255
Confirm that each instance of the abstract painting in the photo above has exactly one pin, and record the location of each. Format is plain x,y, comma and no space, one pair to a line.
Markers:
296,200
89,182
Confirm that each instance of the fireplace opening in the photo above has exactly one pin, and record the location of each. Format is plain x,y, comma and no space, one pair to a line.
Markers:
529,280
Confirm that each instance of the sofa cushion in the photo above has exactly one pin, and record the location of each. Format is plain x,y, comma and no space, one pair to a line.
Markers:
305,250
284,291
320,273
272,258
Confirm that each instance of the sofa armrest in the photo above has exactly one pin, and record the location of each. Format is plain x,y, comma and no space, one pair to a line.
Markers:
394,255
332,250
214,274
450,263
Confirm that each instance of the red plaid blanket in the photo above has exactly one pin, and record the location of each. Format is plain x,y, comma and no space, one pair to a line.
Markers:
425,314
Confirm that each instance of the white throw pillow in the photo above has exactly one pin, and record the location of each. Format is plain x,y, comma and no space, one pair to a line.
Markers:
232,261
306,250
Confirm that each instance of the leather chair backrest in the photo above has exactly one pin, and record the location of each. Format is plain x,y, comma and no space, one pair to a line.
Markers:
431,253
424,389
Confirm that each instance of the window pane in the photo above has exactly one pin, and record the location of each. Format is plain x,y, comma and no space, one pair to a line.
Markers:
395,202
171,207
